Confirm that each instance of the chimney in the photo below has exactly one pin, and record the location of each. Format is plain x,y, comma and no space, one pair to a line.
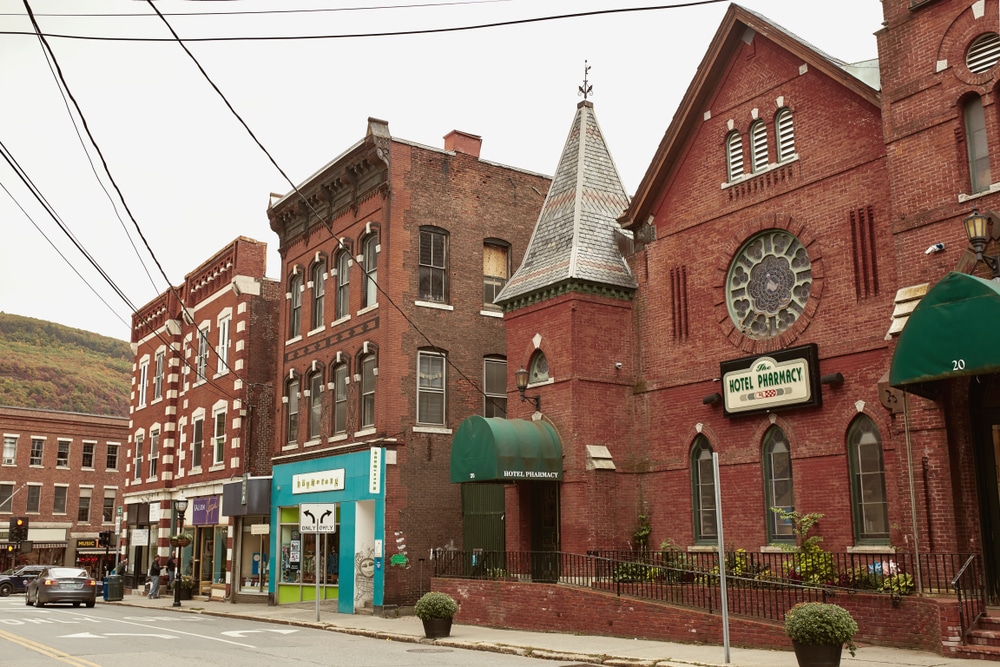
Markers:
463,142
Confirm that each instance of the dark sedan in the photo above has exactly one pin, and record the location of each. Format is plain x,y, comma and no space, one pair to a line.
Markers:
17,581
62,584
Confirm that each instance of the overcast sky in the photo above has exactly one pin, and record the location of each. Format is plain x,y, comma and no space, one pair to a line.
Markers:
193,178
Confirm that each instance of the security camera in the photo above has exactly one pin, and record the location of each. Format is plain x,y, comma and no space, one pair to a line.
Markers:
937,247
618,365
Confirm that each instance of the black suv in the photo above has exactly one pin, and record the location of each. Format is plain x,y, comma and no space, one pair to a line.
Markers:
17,581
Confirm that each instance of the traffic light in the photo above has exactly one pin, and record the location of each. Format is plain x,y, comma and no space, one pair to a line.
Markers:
10,548
18,531
104,539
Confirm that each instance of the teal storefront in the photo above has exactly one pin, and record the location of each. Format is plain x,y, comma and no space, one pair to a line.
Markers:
328,527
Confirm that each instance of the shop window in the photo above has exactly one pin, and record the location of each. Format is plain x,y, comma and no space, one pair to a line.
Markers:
778,486
703,490
868,497
303,554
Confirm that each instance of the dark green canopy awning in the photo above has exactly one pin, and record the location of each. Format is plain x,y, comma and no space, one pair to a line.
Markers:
505,450
952,332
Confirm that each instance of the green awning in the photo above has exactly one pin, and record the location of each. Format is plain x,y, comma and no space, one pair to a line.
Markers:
505,450
952,332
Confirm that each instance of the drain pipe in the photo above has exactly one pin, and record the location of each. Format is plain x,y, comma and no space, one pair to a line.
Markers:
913,495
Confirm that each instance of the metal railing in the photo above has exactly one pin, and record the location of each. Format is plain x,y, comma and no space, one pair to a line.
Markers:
969,586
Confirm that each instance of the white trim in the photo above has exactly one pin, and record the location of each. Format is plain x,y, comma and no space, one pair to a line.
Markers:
431,304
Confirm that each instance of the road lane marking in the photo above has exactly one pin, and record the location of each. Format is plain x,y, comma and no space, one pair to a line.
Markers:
91,635
240,633
47,651
173,630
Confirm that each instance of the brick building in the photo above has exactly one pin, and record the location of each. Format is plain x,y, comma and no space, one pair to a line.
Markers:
392,255
65,473
202,425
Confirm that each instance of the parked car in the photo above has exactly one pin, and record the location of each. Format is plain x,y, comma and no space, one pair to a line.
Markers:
62,584
16,580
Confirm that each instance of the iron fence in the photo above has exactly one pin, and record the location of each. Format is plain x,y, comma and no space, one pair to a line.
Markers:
971,591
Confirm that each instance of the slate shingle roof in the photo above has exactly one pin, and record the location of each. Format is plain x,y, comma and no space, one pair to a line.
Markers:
576,236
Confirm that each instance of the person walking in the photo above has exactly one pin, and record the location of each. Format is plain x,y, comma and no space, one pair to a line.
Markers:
171,572
154,578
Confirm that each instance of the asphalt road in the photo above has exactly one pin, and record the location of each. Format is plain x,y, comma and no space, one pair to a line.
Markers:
115,636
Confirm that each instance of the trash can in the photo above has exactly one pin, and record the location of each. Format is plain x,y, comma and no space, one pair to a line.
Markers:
114,590
105,587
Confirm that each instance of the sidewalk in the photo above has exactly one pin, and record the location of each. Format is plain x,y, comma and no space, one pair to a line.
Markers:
596,650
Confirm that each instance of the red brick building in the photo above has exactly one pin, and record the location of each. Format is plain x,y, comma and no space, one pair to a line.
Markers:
391,257
65,473
201,417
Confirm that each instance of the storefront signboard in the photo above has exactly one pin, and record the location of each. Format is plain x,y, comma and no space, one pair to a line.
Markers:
375,471
312,482
260,529
205,511
778,380
140,536
86,544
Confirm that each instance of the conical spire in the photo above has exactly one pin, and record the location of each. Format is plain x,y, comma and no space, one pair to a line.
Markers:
577,233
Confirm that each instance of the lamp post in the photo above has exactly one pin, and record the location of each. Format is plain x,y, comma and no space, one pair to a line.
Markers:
976,228
521,380
180,506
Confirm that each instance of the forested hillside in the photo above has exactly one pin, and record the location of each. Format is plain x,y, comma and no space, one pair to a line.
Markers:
50,366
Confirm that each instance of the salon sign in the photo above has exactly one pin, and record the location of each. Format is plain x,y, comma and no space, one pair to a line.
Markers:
786,378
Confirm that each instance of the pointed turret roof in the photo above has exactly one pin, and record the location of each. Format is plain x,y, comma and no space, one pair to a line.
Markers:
577,234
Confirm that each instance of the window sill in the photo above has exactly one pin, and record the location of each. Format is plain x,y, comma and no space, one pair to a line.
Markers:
62,467
345,318
748,177
433,305
777,548
293,445
962,197
532,385
9,464
492,313
320,329
216,467
293,340
115,470
365,431
871,549
194,471
337,438
368,309
312,443
85,468
702,549
432,429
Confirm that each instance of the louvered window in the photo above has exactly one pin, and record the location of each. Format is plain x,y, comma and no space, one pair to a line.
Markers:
983,53
734,155
786,135
758,143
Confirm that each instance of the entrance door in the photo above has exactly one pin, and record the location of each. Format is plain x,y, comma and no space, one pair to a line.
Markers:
544,530
483,526
984,400
206,561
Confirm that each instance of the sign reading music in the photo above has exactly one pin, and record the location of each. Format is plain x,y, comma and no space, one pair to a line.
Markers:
784,378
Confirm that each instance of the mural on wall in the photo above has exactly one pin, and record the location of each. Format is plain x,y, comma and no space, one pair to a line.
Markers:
364,578
399,558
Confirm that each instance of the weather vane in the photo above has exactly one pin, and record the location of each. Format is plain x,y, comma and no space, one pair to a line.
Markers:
586,89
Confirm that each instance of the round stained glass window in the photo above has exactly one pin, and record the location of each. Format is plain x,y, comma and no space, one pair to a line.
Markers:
768,284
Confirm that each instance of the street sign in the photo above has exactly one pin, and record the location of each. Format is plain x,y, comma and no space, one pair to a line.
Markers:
318,517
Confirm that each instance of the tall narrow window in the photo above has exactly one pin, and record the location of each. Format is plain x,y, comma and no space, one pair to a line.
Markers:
295,306
108,508
201,364
197,442
975,140
34,503
9,450
223,350
83,506
343,285
734,155
154,451
62,454
87,459
495,387
871,512
370,258
430,388
37,449
495,272
315,404
703,490
158,375
143,381
368,391
6,498
758,145
292,411
319,293
786,134
111,463
59,500
340,399
778,485
433,278
137,465
219,439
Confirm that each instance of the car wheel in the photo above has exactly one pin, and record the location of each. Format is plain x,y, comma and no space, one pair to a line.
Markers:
76,604
90,605
26,600
38,602
5,590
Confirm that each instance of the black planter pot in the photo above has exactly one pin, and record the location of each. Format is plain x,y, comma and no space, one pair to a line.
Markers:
817,655
435,628
184,593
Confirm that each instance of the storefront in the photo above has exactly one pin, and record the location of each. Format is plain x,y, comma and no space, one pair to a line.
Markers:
210,543
96,560
143,532
328,519
248,502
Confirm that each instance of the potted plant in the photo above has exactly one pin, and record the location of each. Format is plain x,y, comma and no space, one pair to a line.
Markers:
436,610
180,540
186,584
819,632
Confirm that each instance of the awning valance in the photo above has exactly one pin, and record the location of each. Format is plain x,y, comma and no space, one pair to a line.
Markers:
952,332
489,449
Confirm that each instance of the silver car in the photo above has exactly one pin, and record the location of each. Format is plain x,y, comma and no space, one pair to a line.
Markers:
62,584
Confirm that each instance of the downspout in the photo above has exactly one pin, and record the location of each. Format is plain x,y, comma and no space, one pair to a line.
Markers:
913,501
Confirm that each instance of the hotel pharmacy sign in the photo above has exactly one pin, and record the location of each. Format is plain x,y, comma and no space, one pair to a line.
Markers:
782,379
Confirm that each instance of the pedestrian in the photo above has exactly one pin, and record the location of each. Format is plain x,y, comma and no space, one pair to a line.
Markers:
171,572
154,578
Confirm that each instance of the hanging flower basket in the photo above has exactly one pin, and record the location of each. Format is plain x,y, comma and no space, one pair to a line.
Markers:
180,540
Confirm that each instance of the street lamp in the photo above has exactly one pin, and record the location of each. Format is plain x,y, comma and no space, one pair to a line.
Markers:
976,228
180,506
521,380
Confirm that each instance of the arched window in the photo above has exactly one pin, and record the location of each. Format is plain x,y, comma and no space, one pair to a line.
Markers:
786,134
758,145
369,250
868,500
319,292
295,305
343,306
292,410
778,485
340,399
703,491
734,155
976,145
538,369
315,404
368,373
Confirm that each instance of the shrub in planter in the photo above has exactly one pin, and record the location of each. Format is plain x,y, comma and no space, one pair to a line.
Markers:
819,624
436,610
